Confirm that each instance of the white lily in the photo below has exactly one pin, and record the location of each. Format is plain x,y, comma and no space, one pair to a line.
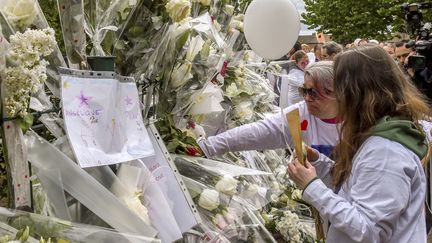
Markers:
135,205
207,101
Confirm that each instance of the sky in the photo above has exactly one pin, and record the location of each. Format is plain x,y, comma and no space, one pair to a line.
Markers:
299,4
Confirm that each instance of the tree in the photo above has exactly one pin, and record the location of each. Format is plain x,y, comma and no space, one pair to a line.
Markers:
347,20
50,10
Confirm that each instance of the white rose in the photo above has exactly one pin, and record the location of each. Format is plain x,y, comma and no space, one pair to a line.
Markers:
21,12
181,74
209,199
297,194
275,185
243,111
239,17
205,2
229,9
157,22
231,90
198,131
236,24
251,190
178,9
227,185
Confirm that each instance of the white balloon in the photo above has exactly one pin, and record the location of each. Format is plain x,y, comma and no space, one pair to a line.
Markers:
271,27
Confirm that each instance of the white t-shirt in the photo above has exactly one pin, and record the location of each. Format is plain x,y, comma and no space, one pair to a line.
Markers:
382,200
289,94
273,133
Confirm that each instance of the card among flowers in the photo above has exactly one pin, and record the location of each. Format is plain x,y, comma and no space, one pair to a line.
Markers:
103,120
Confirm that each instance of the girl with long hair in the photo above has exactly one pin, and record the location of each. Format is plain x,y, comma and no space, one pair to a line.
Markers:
374,190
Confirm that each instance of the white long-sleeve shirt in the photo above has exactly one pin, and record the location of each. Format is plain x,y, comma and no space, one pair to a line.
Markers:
290,83
273,133
382,200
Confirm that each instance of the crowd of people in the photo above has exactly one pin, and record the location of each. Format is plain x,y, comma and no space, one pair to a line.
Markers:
367,128
290,81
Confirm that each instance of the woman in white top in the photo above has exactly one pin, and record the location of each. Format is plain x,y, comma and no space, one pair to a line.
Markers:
375,189
317,113
289,94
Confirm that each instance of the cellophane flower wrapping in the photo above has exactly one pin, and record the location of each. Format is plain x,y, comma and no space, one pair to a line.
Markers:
30,227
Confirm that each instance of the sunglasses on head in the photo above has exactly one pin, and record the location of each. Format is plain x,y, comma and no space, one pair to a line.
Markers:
305,91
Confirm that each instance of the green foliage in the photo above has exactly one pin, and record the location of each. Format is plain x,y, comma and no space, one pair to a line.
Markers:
176,140
50,10
26,122
39,226
347,20
4,198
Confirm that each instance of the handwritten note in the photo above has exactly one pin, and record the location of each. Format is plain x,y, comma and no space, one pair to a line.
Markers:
103,121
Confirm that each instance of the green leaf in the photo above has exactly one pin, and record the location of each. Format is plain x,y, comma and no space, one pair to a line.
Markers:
181,41
347,20
171,146
26,122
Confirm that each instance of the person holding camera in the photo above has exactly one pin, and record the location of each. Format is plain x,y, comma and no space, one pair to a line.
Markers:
374,190
403,49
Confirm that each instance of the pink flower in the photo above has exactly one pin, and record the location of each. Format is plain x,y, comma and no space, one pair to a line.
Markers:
229,215
219,221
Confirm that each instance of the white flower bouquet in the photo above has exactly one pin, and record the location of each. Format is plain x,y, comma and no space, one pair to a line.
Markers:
28,73
71,15
103,18
287,226
254,188
218,183
27,227
27,14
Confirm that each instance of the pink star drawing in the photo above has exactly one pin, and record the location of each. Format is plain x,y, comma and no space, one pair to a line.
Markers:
84,99
128,101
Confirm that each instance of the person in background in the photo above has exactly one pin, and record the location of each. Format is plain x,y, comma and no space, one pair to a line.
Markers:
360,42
290,83
377,176
348,46
317,52
402,52
287,64
329,50
373,42
305,48
296,47
390,49
319,123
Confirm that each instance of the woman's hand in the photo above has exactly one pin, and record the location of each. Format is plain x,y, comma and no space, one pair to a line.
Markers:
300,174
